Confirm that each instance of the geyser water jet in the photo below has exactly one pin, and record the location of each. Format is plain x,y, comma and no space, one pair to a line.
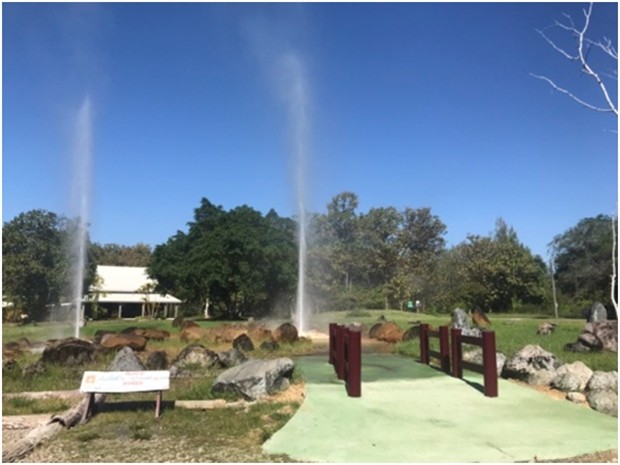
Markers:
297,96
80,196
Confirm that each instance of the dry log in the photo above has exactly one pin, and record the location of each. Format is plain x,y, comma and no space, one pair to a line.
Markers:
47,431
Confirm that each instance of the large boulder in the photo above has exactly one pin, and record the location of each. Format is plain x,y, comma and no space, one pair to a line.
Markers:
572,377
193,360
600,335
118,341
126,360
528,361
475,356
285,333
603,380
545,328
255,378
389,332
411,333
460,321
374,329
231,358
70,351
480,318
597,312
604,401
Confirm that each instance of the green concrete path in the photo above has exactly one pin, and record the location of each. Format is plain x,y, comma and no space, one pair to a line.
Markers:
413,413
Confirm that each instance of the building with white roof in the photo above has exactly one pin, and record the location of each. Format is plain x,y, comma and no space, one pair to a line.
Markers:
127,291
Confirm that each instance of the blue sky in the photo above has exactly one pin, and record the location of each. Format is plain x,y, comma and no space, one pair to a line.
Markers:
406,104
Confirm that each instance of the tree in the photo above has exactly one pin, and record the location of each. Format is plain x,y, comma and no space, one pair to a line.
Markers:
239,260
36,257
582,260
121,255
498,273
584,56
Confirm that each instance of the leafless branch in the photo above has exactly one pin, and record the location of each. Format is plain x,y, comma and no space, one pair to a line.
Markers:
573,96
584,45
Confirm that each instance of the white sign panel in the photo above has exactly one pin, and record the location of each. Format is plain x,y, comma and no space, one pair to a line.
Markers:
125,381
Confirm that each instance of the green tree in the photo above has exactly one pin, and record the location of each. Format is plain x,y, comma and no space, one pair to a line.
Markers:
121,255
498,273
239,260
36,259
583,261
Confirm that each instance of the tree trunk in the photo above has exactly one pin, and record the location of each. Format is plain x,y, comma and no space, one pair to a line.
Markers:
47,431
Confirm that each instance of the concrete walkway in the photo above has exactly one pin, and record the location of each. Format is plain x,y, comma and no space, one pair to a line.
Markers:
413,413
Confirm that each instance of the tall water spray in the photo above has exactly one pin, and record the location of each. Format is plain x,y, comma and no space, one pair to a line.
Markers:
80,196
297,96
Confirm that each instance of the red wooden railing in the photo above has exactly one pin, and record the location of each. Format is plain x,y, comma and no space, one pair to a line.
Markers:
489,358
345,354
444,350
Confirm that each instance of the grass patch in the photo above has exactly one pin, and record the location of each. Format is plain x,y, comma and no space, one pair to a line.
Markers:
28,406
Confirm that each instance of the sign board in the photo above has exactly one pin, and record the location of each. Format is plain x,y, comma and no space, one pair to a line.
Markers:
125,381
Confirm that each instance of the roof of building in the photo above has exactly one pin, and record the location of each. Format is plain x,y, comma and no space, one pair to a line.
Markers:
123,284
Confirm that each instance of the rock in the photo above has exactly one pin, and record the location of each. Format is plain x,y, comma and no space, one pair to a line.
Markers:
193,333
100,333
126,360
389,332
157,360
600,335
259,333
459,319
270,345
597,312
572,377
541,378
9,366
118,341
155,333
480,318
545,328
382,319
189,324
527,361
285,333
70,351
473,332
604,401
194,360
475,356
603,380
243,343
34,369
176,322
576,397
255,378
372,332
411,333
231,358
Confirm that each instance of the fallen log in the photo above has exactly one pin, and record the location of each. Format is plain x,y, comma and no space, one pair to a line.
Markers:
47,431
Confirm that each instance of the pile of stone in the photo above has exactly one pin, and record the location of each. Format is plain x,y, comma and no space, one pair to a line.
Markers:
598,334
534,365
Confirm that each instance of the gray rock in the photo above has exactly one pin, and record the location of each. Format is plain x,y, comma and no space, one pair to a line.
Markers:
460,320
598,312
603,380
604,401
194,360
473,332
576,397
529,360
255,378
572,377
270,345
600,335
126,360
545,328
231,358
541,377
475,356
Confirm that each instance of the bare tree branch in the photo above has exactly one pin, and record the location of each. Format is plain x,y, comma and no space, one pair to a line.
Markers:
584,46
571,95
